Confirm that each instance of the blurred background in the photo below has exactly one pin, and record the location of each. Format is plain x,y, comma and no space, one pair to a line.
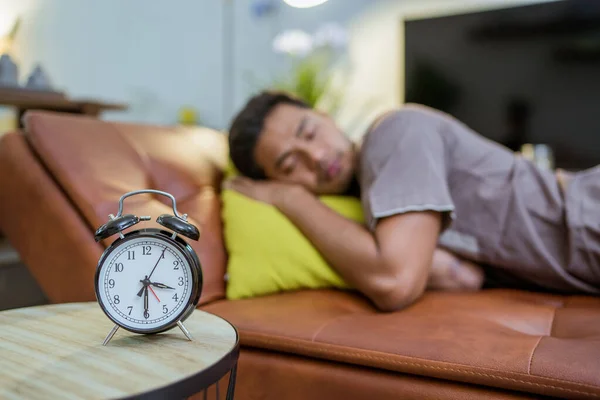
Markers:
524,73
519,72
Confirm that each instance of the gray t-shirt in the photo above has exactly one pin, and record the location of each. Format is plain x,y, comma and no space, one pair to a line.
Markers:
498,208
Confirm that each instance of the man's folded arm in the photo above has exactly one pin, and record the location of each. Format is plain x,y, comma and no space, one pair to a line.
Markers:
389,265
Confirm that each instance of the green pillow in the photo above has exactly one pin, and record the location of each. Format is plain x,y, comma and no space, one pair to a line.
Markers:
268,254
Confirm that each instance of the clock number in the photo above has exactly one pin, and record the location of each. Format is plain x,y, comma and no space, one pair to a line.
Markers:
130,254
111,283
146,250
176,264
116,299
181,281
165,309
175,297
119,267
130,308
146,314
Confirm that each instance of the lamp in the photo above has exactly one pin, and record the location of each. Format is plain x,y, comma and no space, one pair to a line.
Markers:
304,3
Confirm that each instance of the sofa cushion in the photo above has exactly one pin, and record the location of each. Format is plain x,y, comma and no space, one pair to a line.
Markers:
95,162
42,225
270,375
537,343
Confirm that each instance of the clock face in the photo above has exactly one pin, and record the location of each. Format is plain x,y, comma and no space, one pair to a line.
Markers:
145,283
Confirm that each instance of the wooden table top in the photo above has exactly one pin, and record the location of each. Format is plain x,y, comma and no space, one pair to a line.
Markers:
56,351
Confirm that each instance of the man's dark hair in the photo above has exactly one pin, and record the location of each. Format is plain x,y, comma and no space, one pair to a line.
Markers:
247,127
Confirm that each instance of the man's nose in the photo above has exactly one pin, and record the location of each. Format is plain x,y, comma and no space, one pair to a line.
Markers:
315,155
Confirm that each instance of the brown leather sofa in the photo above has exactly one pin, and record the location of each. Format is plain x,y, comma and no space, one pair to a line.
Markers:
63,175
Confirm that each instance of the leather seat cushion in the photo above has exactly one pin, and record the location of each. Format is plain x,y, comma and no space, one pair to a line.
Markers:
538,343
95,162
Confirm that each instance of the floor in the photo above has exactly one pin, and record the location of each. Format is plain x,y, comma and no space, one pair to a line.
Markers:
17,287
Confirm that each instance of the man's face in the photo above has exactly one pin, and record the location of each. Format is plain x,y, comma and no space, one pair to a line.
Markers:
302,146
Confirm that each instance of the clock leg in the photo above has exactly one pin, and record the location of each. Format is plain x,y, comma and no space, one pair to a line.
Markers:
110,335
185,331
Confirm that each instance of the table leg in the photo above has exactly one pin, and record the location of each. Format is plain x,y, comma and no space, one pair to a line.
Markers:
231,387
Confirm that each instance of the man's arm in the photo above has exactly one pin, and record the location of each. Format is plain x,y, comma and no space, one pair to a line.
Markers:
391,266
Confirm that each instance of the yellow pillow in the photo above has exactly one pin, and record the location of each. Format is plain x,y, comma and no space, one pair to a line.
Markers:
268,254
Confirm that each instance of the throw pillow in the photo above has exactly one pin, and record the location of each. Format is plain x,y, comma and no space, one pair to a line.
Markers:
268,254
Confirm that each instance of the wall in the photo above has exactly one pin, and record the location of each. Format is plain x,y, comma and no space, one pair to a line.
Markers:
153,55
253,38
377,49
157,56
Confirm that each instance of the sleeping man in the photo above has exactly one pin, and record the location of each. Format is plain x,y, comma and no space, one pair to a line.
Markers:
439,200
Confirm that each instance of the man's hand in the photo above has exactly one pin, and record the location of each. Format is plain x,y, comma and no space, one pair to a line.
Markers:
450,273
269,192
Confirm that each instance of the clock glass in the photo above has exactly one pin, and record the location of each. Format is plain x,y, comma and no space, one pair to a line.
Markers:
145,283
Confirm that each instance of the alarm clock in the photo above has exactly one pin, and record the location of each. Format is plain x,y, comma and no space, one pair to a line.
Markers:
148,280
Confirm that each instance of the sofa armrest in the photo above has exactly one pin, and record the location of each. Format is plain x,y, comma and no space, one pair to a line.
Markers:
43,226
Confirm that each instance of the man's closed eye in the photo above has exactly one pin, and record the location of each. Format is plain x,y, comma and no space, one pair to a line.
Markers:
309,132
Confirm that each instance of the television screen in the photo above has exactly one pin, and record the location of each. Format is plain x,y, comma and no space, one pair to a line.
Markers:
520,75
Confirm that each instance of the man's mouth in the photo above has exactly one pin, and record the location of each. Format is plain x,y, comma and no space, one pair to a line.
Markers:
333,169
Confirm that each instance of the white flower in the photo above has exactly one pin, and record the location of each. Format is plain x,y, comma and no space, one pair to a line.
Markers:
294,42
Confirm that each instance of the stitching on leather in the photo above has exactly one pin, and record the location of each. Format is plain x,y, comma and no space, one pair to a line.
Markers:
398,362
257,337
533,352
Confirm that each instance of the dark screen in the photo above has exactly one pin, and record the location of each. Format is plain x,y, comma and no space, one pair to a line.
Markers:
528,74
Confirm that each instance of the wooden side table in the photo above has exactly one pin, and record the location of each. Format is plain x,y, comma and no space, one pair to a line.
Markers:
56,351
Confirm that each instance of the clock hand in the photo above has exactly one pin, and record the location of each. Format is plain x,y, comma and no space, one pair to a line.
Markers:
146,313
161,285
145,282
152,290
156,265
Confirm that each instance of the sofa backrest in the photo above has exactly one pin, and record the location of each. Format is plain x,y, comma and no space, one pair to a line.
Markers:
95,162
